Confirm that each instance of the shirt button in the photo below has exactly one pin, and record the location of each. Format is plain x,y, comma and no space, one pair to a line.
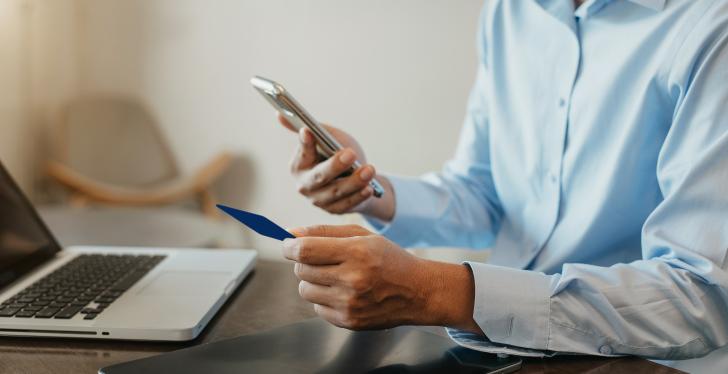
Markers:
562,102
552,178
605,350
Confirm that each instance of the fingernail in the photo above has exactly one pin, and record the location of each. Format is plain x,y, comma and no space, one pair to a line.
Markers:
366,173
296,231
348,156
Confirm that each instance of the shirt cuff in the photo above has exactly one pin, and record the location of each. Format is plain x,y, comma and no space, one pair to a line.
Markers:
405,227
483,344
512,306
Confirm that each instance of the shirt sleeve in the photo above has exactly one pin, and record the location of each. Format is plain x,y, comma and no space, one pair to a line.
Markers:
459,206
672,304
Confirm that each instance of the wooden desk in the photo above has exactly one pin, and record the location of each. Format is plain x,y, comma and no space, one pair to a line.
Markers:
268,298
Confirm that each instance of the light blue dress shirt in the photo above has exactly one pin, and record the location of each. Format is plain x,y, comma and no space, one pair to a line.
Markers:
594,162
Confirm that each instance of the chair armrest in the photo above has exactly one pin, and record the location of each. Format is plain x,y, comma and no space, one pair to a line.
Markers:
210,172
163,193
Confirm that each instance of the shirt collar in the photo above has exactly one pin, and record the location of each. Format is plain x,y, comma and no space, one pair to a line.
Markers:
594,6
564,9
657,5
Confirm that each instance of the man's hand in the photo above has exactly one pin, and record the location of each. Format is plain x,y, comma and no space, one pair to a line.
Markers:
321,181
359,280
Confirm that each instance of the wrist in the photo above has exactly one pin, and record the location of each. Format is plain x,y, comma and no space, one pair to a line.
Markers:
450,296
381,208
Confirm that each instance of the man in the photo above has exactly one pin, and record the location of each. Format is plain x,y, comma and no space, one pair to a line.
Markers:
593,160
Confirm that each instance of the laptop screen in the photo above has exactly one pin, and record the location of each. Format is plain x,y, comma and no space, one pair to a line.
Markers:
25,242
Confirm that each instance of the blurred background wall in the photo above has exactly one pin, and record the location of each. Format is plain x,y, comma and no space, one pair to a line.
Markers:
395,74
38,72
15,141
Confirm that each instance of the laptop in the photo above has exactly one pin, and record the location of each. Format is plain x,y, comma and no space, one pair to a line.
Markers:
161,294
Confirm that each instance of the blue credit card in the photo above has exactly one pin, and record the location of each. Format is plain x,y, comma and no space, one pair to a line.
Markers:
257,223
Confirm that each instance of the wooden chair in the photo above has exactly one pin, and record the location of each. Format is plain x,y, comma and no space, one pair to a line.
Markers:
110,151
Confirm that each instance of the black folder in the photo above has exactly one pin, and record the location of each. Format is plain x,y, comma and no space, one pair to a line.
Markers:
314,346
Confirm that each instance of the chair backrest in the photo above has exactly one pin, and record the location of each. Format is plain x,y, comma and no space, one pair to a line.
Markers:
114,140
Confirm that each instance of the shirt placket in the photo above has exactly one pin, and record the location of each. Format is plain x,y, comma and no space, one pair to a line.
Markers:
554,139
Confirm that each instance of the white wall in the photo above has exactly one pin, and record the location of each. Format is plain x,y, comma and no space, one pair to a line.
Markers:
14,140
394,73
37,73
54,28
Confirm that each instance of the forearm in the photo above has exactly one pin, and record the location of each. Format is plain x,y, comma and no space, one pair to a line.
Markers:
648,308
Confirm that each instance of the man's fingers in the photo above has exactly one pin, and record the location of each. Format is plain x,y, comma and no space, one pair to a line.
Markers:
343,187
322,274
318,294
330,314
350,202
315,251
326,171
285,123
330,231
305,156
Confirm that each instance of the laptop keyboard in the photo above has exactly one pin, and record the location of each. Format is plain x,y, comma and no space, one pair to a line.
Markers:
87,285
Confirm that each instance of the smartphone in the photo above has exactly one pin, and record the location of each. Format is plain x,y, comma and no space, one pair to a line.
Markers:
287,106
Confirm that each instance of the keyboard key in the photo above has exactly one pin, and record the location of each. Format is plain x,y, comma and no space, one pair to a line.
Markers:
25,313
128,281
90,316
34,308
68,312
48,312
8,311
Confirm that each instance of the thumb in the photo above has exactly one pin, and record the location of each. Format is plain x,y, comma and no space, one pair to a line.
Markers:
331,231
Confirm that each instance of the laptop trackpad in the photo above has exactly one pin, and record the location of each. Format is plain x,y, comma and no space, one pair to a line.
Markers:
186,283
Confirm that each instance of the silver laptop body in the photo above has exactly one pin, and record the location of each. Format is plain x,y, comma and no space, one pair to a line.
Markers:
173,301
